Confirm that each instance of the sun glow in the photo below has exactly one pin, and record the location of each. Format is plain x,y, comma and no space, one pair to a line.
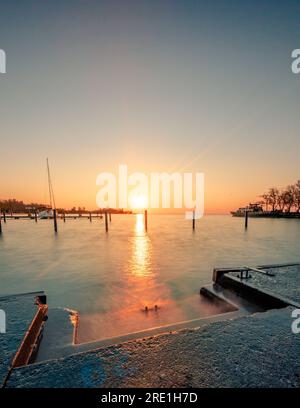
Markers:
138,202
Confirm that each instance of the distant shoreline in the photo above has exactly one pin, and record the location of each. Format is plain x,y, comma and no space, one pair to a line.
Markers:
270,214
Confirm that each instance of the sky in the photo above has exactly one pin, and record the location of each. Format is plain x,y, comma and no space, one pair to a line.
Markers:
198,86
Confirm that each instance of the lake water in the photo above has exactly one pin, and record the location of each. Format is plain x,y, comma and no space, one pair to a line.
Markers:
110,278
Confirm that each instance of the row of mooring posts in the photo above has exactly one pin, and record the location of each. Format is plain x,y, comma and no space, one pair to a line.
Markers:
107,216
89,218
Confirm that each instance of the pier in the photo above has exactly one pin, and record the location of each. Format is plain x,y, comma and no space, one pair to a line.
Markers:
63,216
192,351
25,315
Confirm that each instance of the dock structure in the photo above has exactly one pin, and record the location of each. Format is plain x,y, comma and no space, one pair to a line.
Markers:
25,316
270,286
63,216
192,357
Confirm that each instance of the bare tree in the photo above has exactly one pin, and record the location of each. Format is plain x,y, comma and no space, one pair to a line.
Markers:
284,200
266,200
281,200
297,196
288,198
273,197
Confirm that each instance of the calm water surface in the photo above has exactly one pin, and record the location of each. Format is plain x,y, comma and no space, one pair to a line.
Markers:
110,278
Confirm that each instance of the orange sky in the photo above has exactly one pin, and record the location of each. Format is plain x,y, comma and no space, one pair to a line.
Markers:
158,88
225,189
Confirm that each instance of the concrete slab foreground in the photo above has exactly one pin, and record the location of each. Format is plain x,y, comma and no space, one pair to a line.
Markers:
257,350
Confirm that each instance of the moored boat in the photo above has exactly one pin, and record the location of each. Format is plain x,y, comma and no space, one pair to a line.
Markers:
252,209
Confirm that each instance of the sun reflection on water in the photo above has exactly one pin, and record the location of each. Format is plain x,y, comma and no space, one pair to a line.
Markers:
146,289
145,300
141,254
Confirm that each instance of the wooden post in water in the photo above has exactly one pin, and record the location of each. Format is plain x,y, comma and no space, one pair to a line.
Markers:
109,216
146,220
64,217
55,220
246,219
106,222
35,216
0,225
194,220
90,217
4,216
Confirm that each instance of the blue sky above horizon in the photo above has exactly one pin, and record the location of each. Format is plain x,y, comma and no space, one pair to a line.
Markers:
158,85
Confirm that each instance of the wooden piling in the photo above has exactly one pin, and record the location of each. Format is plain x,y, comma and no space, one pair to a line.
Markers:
4,216
0,225
35,216
246,219
146,220
55,220
106,222
90,217
194,220
64,217
110,217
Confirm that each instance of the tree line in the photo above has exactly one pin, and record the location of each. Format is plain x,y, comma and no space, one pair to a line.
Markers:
284,200
17,206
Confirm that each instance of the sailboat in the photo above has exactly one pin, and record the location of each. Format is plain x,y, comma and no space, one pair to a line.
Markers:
48,213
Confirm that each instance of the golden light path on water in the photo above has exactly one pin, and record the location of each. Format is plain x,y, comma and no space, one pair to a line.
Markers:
140,263
109,278
145,303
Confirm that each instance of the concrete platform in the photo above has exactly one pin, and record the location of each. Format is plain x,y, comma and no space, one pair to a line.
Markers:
257,350
20,311
284,282
58,339
249,347
272,286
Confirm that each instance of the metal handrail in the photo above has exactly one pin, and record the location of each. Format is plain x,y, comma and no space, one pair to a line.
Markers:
251,268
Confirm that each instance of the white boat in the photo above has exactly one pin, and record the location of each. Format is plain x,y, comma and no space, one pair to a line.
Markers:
45,214
251,209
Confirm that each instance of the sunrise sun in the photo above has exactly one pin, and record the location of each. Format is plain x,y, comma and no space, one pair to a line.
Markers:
138,202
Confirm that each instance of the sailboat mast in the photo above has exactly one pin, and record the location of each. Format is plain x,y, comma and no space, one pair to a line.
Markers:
49,185
51,195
